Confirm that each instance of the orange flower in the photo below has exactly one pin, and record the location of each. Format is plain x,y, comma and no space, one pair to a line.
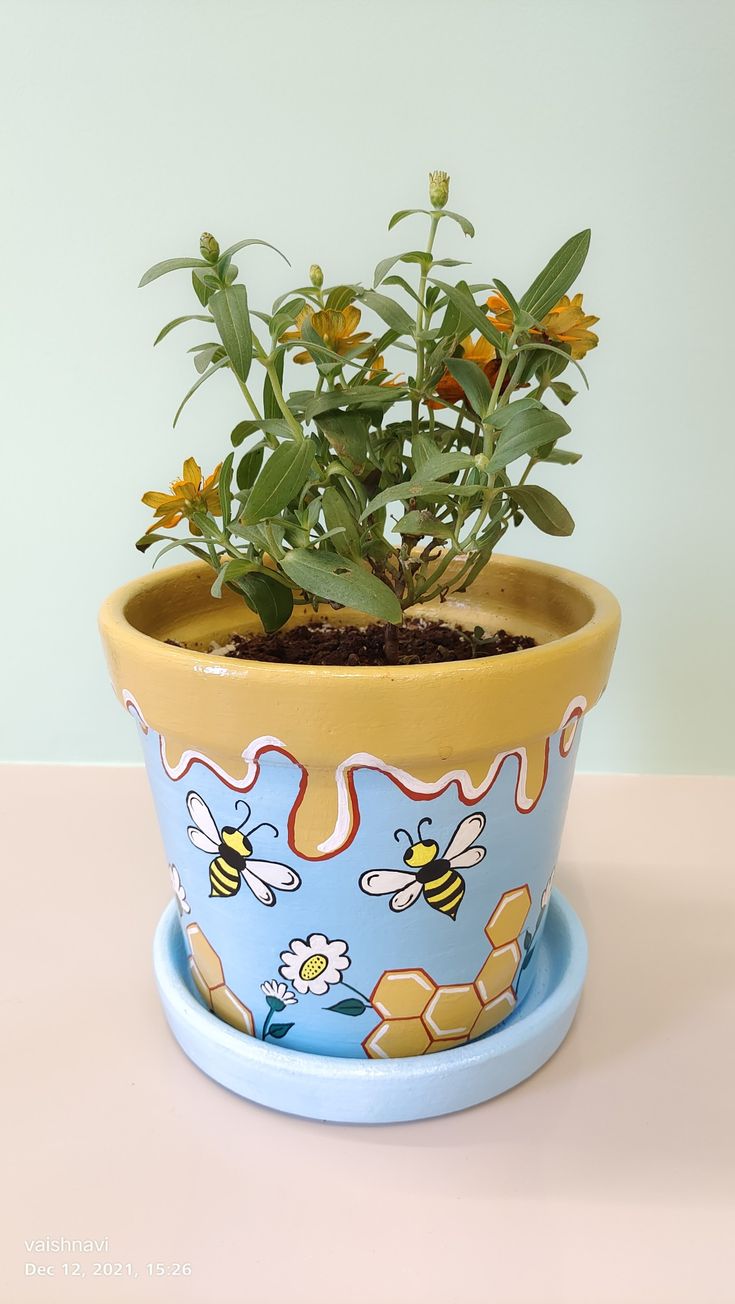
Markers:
480,351
566,323
188,495
335,327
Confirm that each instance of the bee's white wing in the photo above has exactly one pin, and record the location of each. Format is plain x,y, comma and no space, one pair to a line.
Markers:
378,882
464,835
466,859
406,897
201,840
280,876
265,895
202,817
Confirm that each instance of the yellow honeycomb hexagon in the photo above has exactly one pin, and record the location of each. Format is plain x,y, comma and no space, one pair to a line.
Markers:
209,978
452,1011
509,916
397,1038
402,993
493,1013
498,971
205,957
418,1017
228,1007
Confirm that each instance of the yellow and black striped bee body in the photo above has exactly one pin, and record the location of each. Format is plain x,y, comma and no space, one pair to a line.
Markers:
232,850
225,871
442,886
427,873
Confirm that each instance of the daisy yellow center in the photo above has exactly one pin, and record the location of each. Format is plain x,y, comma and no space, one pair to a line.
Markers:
313,967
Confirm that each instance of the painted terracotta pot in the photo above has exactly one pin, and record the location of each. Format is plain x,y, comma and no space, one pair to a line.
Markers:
362,857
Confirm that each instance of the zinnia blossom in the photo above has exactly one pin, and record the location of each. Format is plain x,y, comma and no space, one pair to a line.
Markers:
566,323
188,495
336,328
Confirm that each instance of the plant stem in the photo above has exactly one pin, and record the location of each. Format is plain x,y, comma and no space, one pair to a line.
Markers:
268,363
390,644
249,400
420,320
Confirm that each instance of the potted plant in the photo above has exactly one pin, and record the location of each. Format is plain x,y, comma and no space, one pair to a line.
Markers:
359,722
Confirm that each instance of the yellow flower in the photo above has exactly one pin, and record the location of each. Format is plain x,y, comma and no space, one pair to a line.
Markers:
566,323
335,327
188,495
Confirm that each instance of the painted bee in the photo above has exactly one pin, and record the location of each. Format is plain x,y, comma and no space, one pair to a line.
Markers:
232,860
428,872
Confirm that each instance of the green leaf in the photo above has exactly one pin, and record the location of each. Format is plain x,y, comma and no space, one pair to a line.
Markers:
243,430
401,280
202,291
527,431
229,307
248,468
461,299
281,479
271,410
405,212
279,1030
350,1007
557,276
232,570
389,311
225,491
341,296
338,579
177,322
463,222
474,382
347,432
437,465
271,601
197,383
563,391
169,265
542,508
419,488
338,516
365,395
241,244
562,456
422,524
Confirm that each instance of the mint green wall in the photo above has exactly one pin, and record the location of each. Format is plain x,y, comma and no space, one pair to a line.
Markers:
131,127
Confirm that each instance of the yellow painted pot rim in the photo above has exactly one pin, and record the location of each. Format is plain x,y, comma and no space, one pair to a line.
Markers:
602,625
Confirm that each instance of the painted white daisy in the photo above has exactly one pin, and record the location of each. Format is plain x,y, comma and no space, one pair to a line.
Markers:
179,890
314,965
546,894
277,994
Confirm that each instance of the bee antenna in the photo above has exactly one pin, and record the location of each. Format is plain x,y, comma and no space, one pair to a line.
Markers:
264,825
425,820
407,834
240,802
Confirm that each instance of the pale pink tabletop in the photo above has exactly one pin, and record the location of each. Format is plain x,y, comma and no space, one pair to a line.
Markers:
607,1178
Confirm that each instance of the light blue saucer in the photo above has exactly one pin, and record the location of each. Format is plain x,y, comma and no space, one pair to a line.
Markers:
381,1091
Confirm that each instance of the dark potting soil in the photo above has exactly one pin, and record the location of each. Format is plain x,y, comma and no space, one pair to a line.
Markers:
419,642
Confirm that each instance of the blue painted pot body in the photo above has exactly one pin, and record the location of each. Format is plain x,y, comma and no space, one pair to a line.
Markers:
330,965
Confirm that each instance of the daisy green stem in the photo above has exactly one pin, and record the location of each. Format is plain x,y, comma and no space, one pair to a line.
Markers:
267,1024
362,995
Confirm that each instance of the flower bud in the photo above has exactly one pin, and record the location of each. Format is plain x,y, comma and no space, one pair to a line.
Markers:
316,276
482,462
438,188
208,247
